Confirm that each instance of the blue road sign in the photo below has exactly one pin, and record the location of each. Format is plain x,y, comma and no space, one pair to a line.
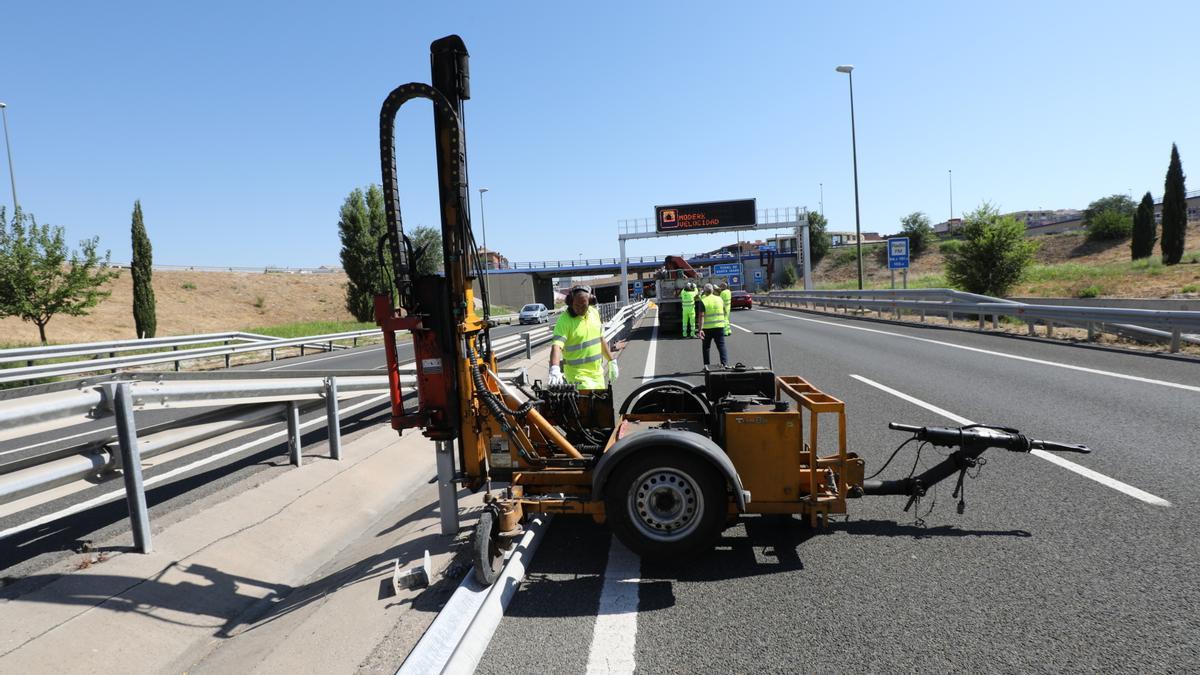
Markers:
735,280
726,269
767,247
637,286
898,253
758,275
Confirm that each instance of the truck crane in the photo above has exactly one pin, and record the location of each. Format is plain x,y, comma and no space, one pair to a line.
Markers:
671,466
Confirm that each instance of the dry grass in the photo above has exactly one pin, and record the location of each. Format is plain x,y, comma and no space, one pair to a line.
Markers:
198,302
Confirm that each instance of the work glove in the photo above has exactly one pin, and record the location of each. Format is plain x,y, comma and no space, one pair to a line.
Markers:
613,371
556,376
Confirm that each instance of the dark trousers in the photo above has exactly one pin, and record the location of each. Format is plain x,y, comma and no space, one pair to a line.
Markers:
715,335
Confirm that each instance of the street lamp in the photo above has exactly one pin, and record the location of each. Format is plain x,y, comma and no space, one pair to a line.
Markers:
487,261
8,147
849,70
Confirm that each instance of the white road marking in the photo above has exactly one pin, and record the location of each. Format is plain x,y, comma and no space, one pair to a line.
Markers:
740,328
58,440
1048,456
349,352
1040,362
615,634
154,480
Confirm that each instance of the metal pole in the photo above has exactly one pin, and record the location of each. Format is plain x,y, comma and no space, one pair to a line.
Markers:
822,198
447,494
807,255
528,346
487,260
854,151
293,424
8,147
951,172
332,424
624,274
131,468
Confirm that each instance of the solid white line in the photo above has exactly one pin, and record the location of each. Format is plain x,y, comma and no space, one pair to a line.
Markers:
1027,359
740,328
120,494
615,634
1072,466
649,371
350,352
58,440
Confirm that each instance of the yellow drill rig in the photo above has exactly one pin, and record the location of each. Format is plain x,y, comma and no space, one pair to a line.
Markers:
669,468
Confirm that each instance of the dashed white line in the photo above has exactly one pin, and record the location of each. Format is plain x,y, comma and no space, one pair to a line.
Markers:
1027,359
1050,457
740,328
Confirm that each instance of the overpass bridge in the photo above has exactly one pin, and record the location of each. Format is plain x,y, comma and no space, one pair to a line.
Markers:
519,281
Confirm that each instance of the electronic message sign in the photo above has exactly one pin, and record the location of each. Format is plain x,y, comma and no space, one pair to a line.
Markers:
704,216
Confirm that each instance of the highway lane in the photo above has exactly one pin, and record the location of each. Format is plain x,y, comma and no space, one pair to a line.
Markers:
1045,570
186,482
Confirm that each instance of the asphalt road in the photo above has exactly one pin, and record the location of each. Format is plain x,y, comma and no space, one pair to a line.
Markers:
1047,569
175,481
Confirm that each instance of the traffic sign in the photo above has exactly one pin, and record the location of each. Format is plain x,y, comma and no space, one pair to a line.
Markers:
767,247
735,280
637,286
705,216
758,275
725,269
897,253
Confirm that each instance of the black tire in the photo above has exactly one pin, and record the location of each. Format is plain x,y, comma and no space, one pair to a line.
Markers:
486,555
666,503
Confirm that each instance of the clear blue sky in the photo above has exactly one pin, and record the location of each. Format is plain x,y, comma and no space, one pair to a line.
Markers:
242,126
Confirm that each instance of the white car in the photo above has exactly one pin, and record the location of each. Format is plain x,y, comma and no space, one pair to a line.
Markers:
534,313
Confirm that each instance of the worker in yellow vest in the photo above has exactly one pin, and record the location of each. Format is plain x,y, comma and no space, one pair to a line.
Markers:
578,344
687,298
727,298
710,314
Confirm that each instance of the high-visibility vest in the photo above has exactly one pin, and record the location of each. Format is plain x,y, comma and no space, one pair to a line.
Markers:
688,298
727,298
579,338
714,312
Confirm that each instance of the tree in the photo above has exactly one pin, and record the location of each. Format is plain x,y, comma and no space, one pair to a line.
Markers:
993,255
1120,203
1174,212
427,245
1145,231
818,236
40,278
361,224
916,227
141,270
1110,224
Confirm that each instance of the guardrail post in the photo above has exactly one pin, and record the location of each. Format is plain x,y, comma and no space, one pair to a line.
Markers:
175,348
995,321
131,469
301,350
330,346
447,494
1049,329
354,342
293,424
1032,330
950,317
1176,335
272,353
1091,331
332,424
528,346
227,360
922,315
980,322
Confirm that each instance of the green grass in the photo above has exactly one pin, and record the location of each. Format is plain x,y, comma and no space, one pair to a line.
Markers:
923,281
1191,288
1092,291
188,286
295,330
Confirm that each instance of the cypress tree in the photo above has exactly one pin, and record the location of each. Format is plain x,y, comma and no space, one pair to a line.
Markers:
1145,231
1174,211
144,320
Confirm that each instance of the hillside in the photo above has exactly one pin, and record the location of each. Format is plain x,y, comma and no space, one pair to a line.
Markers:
198,302
1067,266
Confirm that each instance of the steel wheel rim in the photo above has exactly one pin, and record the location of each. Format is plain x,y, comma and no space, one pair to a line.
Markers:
665,504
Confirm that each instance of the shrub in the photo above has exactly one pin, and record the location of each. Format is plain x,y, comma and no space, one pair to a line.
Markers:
259,302
1092,291
1191,288
789,276
188,286
993,256
950,246
1109,225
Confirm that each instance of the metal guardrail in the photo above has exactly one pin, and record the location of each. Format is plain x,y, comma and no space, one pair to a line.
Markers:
1152,324
176,356
271,393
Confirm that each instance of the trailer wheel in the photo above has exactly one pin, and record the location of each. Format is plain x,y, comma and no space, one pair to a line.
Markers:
665,503
486,555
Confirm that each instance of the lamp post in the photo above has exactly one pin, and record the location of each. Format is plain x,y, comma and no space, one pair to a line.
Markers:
8,146
822,186
951,172
849,70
